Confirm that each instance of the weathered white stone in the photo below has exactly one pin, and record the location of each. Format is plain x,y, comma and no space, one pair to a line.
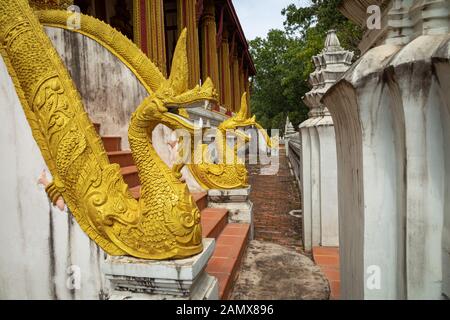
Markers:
110,91
305,179
316,195
42,240
294,145
391,114
132,278
318,148
42,248
329,223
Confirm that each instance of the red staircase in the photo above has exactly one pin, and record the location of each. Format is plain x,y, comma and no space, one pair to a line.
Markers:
231,243
231,239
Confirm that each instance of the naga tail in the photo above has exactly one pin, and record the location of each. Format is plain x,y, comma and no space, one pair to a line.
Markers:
65,135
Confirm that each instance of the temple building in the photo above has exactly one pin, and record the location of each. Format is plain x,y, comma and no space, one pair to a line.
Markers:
217,47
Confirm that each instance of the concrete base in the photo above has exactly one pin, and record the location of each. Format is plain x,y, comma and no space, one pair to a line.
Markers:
136,279
237,202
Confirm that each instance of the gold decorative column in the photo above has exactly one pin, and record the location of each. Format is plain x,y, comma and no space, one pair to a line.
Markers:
235,81
148,23
210,61
247,89
187,18
50,4
241,78
157,41
225,75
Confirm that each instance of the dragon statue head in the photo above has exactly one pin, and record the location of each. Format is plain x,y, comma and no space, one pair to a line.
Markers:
241,120
169,101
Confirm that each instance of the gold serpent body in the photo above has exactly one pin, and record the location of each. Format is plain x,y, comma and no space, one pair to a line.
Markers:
165,223
230,171
208,174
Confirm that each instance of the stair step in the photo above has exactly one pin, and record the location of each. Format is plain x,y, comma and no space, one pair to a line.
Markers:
214,221
227,257
130,176
112,143
122,158
201,198
97,127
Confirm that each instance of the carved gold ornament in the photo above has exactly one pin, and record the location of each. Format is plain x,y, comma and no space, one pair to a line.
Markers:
208,174
165,223
226,174
50,4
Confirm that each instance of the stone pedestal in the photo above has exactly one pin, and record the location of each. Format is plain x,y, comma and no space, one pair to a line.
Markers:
136,279
240,208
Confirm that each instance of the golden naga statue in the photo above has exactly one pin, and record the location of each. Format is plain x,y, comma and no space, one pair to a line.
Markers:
230,172
207,173
165,223
50,4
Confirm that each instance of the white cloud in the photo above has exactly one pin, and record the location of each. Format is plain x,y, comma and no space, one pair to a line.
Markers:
257,17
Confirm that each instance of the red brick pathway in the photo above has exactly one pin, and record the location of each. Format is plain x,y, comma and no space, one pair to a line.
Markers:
273,198
327,258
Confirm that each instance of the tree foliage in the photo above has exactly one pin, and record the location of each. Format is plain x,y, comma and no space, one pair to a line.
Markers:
283,59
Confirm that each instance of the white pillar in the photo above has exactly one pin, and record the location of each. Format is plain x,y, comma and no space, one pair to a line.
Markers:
328,183
320,211
315,185
305,179
392,120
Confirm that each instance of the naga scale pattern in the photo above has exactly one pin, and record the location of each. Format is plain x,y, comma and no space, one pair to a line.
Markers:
165,223
208,174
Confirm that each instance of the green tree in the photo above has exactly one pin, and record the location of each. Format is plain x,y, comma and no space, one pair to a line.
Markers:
312,24
278,86
283,59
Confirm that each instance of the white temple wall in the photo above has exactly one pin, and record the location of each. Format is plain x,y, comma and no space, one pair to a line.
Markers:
329,224
319,185
39,242
305,170
443,74
371,222
351,199
315,186
425,111
110,91
400,102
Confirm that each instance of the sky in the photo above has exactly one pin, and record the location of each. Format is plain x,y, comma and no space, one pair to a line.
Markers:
257,17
